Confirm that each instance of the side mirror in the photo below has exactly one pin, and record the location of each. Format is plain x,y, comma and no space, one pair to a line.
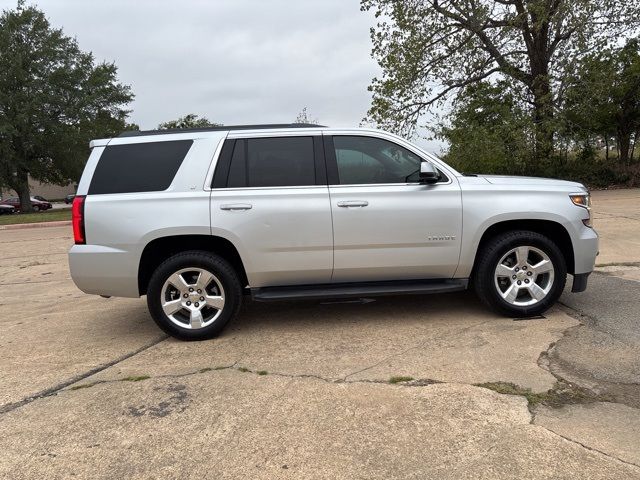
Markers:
428,173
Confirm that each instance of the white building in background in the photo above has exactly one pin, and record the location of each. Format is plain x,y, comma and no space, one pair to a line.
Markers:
46,190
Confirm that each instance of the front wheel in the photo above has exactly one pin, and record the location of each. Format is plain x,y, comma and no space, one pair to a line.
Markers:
193,295
520,273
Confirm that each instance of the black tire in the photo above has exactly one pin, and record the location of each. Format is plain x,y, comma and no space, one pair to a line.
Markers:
215,264
36,208
490,255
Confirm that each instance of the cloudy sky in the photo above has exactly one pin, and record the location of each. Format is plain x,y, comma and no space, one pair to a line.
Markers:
232,61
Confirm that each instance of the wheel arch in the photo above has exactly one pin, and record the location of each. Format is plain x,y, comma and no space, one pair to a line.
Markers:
159,249
555,231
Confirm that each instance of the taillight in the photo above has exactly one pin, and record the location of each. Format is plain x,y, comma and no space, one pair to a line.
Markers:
77,219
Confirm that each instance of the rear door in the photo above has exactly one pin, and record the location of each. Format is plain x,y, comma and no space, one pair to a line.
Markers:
387,226
270,198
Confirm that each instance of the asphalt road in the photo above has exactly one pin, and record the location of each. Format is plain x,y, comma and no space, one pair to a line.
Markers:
603,353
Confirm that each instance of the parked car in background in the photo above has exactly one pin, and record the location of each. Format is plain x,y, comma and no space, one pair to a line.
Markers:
37,205
7,209
69,198
42,199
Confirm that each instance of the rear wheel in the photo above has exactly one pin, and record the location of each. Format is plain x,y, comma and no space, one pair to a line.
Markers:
520,273
193,295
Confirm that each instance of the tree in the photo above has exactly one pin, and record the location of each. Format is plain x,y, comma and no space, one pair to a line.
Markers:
489,131
304,118
190,120
603,98
53,100
430,50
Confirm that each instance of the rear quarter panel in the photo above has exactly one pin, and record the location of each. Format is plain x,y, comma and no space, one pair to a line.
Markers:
119,226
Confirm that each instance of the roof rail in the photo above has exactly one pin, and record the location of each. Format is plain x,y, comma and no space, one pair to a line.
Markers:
139,133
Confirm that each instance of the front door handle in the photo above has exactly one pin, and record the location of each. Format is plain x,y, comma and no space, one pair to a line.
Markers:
236,206
353,203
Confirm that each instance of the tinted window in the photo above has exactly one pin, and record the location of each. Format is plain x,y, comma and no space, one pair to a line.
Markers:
139,167
366,160
272,162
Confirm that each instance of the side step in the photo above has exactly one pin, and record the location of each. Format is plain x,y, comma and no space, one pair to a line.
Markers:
350,290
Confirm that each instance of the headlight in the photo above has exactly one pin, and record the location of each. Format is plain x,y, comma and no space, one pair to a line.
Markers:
583,200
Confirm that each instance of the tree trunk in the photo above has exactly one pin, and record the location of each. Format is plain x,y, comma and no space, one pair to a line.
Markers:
606,148
624,144
543,119
21,186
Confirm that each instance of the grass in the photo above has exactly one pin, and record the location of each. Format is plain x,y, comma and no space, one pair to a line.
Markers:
507,388
48,216
563,393
135,378
243,369
262,372
400,379
83,385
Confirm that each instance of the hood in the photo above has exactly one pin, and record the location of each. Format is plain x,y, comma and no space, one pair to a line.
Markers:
513,180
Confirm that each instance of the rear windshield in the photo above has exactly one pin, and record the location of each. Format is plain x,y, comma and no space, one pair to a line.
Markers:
138,167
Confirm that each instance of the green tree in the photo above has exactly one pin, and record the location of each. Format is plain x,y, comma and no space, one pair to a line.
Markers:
54,99
603,98
489,131
430,50
190,120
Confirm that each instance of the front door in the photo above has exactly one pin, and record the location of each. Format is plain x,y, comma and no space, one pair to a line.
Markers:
386,225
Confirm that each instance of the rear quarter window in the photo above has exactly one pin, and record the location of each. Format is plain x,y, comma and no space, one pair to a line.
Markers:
138,167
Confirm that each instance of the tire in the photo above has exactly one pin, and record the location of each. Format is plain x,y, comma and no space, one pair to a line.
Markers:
174,279
36,208
540,286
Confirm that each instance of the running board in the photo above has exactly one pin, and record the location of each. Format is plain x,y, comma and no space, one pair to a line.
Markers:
351,290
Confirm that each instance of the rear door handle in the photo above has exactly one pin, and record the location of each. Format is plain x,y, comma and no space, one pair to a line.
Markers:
236,206
353,203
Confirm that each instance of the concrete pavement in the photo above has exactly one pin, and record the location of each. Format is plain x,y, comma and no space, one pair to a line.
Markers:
91,389
617,220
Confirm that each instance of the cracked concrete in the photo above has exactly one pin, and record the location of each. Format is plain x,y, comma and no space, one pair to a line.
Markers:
238,425
325,407
424,338
585,423
53,333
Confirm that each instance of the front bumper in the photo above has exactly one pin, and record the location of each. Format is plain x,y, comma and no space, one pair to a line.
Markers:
585,250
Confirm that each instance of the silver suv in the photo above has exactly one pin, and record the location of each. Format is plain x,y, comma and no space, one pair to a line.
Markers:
195,219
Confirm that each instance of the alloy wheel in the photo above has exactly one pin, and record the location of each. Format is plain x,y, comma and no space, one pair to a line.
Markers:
524,276
192,298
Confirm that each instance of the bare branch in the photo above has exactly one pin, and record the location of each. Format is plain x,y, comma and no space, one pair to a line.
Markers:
488,45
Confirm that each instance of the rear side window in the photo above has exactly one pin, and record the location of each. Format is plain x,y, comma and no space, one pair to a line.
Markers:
272,162
138,167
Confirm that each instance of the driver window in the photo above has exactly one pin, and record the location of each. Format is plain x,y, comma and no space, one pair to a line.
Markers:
368,160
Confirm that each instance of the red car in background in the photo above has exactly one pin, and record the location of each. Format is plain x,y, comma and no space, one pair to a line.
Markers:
35,203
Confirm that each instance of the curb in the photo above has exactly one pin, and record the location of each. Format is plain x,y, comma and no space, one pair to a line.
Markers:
20,226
